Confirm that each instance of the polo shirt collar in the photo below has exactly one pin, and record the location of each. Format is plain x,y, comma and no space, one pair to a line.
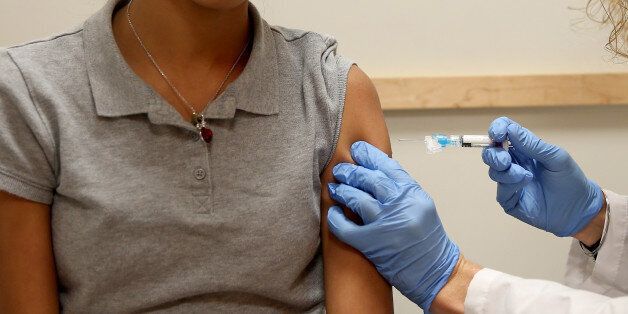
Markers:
118,91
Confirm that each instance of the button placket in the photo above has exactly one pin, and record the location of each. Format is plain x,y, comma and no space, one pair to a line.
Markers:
200,174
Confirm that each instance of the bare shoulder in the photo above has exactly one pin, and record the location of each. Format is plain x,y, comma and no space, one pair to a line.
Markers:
363,118
360,86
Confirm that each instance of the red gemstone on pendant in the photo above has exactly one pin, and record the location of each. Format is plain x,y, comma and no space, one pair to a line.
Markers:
207,134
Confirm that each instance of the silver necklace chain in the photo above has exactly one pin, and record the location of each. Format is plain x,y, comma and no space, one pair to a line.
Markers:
197,119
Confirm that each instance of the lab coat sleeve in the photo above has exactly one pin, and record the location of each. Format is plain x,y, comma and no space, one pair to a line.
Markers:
495,292
608,274
595,286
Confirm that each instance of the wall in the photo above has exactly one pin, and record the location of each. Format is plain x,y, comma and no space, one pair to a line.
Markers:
434,38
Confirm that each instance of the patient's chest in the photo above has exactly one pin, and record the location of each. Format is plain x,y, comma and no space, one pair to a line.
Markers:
160,204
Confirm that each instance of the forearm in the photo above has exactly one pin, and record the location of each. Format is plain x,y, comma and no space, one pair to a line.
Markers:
451,297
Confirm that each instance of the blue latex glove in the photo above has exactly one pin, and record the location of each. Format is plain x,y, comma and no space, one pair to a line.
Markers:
402,234
539,183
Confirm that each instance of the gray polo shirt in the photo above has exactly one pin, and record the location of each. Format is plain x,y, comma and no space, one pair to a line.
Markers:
146,217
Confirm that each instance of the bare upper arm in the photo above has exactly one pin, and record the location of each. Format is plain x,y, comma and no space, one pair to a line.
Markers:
352,284
27,271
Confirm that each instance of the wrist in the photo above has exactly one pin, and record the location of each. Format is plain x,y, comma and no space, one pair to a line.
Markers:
592,232
450,299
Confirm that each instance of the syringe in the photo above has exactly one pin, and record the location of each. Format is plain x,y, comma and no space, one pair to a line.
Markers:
437,142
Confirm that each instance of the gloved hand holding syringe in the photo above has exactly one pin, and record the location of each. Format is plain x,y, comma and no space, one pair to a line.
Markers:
437,142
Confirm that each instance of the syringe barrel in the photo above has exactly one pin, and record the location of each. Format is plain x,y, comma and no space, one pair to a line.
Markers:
481,141
476,141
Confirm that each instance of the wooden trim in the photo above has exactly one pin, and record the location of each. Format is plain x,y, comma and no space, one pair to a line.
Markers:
502,91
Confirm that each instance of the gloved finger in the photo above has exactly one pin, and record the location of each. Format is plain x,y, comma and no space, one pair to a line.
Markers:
369,156
498,130
508,195
524,141
514,174
374,182
343,228
497,158
360,202
519,158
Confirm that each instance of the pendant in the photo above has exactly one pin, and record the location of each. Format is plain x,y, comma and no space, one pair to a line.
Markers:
206,134
204,131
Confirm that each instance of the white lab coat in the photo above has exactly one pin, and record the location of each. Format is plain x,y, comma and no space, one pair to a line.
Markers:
599,286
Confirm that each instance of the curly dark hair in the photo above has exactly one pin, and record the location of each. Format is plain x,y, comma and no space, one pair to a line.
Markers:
615,14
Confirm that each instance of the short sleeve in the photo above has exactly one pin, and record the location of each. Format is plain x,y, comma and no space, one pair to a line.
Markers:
335,71
26,145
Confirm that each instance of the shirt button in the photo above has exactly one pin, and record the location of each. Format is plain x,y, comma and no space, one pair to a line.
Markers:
195,137
200,174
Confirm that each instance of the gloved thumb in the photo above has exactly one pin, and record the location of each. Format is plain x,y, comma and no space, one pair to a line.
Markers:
343,228
527,143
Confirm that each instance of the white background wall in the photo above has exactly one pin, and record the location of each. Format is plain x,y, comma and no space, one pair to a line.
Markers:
443,38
